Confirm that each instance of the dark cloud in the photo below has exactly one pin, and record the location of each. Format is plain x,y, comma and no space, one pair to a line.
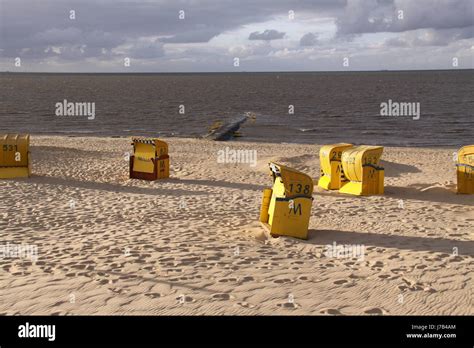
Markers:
267,35
309,39
194,36
396,42
431,37
38,24
147,50
147,29
372,16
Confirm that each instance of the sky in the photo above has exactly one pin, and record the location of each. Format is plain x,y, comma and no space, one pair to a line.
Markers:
235,35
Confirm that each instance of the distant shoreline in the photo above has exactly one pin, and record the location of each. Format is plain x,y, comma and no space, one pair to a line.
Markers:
236,72
236,141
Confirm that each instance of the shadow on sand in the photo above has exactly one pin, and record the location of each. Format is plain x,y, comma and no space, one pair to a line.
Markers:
440,245
429,193
224,184
111,187
417,192
393,169
154,191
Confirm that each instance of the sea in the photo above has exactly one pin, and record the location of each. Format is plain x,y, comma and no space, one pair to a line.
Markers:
287,107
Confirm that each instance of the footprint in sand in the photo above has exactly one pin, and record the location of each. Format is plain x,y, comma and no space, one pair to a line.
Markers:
221,297
288,305
412,285
354,276
455,259
330,311
183,299
374,311
243,262
376,264
340,281
282,281
153,295
245,304
398,270
118,290
431,259
429,289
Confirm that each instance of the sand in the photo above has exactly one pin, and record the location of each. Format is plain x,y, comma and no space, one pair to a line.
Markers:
192,245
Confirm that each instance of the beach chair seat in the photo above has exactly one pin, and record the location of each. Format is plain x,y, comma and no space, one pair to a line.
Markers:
150,159
15,156
361,166
286,207
332,176
465,170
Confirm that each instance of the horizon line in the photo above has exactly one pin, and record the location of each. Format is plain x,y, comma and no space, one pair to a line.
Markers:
228,72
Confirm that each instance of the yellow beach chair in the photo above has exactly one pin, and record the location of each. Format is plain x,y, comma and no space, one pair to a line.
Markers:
332,177
465,170
361,166
150,159
14,156
286,208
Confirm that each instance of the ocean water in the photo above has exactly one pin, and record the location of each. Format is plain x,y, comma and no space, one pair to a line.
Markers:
328,107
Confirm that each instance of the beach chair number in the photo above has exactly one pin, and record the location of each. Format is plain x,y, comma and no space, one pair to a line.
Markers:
370,160
469,173
10,148
295,209
336,155
351,160
299,188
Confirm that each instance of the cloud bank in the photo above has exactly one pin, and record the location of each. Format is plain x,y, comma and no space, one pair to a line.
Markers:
206,35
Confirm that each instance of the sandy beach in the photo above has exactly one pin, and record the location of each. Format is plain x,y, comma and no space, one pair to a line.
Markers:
192,244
